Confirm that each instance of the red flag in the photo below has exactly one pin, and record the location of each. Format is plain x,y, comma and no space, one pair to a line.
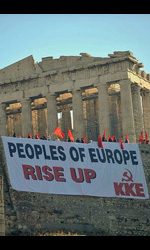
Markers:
113,138
84,139
99,142
104,133
146,137
29,135
121,143
141,137
70,135
127,137
58,132
38,135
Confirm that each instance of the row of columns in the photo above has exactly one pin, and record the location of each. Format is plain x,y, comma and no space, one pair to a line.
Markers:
131,112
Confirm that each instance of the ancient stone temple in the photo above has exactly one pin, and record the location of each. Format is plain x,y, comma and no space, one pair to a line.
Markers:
84,93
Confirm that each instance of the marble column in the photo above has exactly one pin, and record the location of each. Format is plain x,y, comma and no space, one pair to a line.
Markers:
137,110
78,121
26,117
66,119
127,110
3,120
103,109
146,110
41,122
52,119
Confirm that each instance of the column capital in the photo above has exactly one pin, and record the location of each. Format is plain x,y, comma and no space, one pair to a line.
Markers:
25,100
145,91
136,86
125,81
51,95
3,105
76,90
102,86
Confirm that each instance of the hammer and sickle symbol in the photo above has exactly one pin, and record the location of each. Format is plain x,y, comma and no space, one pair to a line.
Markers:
128,176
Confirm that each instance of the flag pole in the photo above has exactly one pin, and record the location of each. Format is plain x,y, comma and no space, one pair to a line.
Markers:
67,137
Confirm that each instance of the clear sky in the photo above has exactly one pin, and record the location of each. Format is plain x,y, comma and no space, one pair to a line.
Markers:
43,35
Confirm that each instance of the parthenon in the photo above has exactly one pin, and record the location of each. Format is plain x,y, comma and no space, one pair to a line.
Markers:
83,93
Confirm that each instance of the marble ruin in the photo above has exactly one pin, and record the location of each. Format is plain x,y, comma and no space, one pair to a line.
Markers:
84,93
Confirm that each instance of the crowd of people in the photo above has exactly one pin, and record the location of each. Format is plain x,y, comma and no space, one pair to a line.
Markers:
84,140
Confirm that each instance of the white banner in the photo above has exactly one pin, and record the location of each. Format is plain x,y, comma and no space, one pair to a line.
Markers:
70,168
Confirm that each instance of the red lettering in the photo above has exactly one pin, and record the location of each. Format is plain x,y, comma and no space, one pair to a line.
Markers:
57,174
128,188
38,172
74,175
139,189
46,170
29,171
118,188
89,174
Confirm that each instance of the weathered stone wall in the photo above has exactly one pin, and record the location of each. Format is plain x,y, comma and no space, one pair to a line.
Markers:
29,213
